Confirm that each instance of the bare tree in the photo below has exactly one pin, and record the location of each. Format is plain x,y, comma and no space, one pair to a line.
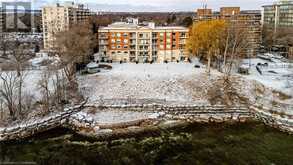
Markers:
19,57
9,85
235,45
73,47
44,85
4,44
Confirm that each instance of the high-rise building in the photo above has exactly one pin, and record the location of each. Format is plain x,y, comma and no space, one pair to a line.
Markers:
134,42
57,18
204,14
249,21
1,20
228,11
279,14
290,55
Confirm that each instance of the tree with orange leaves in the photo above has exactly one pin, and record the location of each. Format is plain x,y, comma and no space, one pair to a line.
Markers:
206,38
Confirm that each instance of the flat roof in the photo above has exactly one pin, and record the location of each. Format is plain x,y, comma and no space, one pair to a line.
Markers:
130,26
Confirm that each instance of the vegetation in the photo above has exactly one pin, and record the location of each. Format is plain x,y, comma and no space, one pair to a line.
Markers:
206,38
220,41
74,46
280,36
246,143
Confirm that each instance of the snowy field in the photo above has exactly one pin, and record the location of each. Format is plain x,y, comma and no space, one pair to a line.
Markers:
106,117
171,82
277,75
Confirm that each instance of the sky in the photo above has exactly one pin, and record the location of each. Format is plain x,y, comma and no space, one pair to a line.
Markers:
162,5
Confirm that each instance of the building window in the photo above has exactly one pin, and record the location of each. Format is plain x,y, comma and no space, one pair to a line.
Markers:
118,34
125,41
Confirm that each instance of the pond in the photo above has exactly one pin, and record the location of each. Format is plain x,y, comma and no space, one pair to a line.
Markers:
242,143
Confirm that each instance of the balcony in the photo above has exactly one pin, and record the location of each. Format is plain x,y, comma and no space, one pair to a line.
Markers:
103,43
183,36
103,37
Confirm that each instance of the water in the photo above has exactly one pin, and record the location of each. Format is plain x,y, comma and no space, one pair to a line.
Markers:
246,143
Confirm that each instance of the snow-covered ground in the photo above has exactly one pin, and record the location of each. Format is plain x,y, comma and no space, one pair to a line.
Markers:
115,117
32,77
277,75
170,82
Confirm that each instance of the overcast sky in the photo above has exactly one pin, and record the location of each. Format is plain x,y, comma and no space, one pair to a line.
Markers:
172,5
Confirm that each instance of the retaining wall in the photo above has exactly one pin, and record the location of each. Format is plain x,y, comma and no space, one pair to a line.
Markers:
199,113
47,123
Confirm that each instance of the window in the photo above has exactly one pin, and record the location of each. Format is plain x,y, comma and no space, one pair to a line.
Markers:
125,47
125,41
113,34
118,34
113,41
125,34
118,46
118,41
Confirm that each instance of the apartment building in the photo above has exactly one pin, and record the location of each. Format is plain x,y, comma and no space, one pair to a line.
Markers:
1,20
133,42
204,14
290,55
249,21
279,14
229,11
57,18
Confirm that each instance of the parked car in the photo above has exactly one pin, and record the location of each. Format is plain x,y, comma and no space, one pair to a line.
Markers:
92,68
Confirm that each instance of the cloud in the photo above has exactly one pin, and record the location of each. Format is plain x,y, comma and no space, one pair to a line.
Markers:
169,5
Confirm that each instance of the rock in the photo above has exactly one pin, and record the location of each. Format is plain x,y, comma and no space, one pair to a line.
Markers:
96,129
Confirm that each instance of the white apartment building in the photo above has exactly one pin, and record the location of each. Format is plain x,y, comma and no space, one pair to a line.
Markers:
133,42
57,18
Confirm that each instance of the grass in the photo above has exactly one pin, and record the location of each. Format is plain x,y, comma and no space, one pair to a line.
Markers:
246,143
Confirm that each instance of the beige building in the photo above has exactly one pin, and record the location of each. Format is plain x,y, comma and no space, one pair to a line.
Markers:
290,56
57,18
248,20
134,42
1,20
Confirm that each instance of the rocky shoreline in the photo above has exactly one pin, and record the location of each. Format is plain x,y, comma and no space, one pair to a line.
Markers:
82,123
